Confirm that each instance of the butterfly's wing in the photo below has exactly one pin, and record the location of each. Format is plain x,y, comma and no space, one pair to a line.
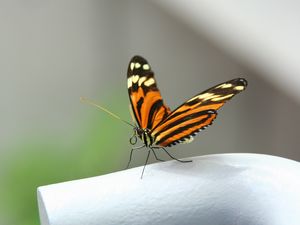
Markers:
146,102
195,114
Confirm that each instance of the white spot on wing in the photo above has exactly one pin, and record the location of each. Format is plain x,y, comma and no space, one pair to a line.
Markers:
192,99
137,65
206,96
129,82
135,78
149,82
225,86
188,140
132,66
217,98
146,67
141,80
203,97
239,88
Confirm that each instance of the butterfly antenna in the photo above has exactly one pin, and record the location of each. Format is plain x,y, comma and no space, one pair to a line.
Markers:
87,101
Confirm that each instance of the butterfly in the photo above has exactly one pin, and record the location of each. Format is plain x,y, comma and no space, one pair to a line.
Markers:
155,124
159,127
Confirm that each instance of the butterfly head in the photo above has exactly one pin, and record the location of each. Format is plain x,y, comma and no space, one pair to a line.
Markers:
143,134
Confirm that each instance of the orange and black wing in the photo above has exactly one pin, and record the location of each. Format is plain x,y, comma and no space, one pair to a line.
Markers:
146,102
195,114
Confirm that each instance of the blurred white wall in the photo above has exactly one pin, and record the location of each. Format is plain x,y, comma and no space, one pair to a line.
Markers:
53,52
263,34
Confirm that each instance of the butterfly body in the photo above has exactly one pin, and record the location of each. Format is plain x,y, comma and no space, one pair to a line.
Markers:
156,125
144,135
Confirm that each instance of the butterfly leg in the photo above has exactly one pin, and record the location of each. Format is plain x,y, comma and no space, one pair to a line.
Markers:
145,164
158,159
183,161
130,157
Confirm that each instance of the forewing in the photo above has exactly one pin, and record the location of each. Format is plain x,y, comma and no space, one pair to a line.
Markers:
195,114
146,102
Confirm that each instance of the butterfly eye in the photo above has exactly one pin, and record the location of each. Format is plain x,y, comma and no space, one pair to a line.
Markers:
133,139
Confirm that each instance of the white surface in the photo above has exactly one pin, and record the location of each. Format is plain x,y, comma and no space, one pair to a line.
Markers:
262,33
212,190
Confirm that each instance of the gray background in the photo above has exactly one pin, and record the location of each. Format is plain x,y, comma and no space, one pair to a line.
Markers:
53,52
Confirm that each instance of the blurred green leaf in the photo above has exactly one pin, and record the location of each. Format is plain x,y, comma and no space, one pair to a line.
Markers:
39,161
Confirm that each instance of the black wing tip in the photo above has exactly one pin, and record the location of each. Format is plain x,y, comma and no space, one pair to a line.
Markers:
240,82
139,59
139,66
